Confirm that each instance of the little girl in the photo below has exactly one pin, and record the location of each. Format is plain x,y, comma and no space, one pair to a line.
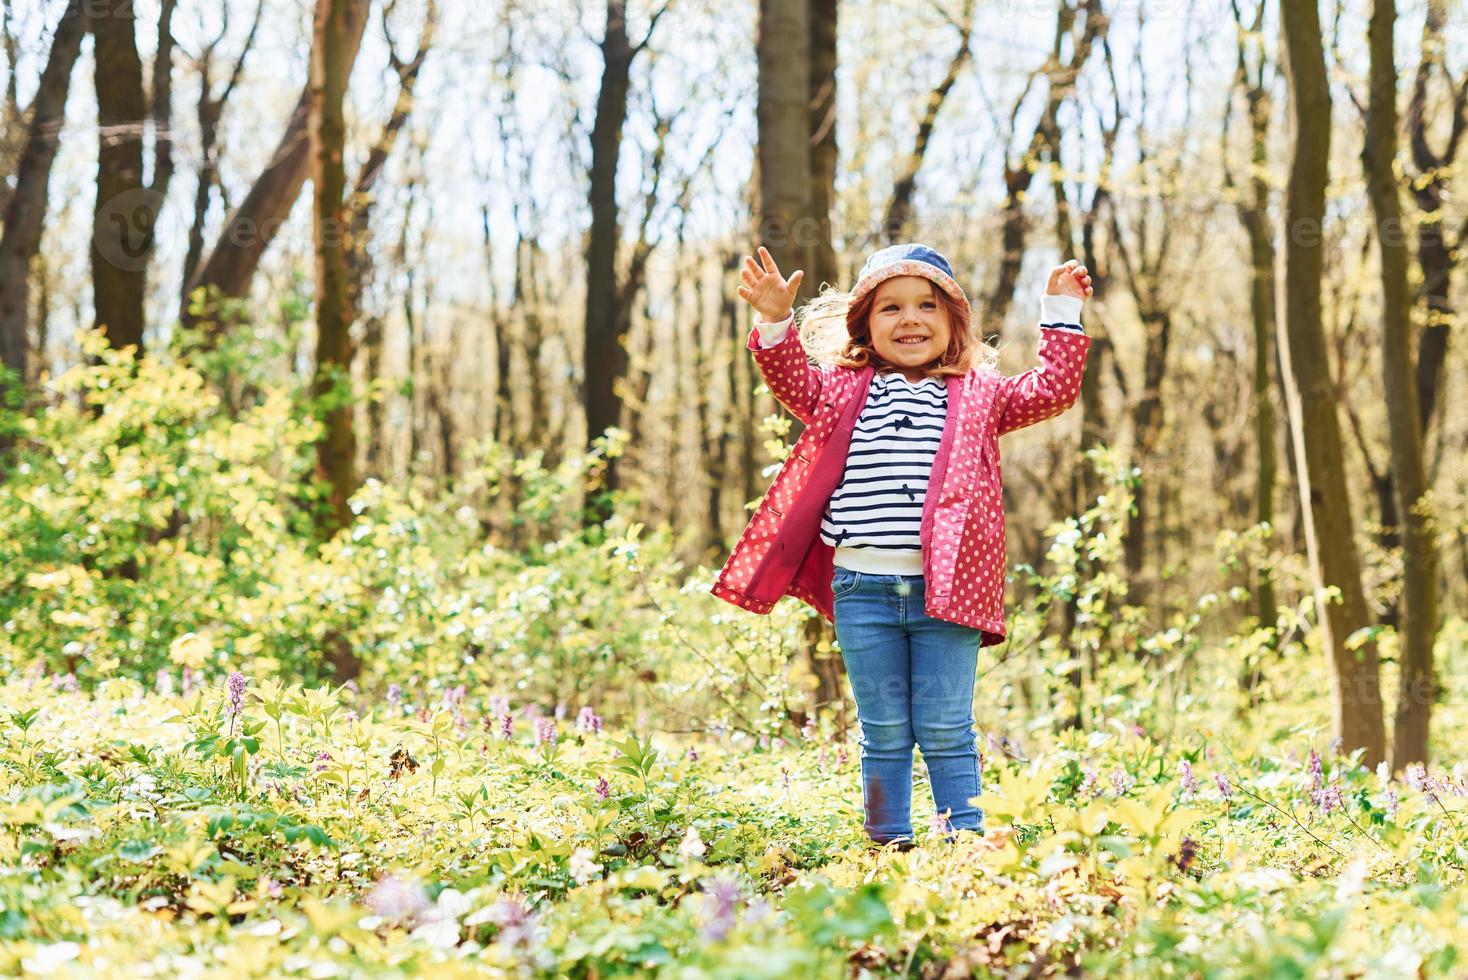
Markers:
886,517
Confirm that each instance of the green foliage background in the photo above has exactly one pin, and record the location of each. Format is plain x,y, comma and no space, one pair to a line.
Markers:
462,806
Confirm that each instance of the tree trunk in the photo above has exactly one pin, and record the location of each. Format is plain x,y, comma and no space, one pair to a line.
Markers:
1315,426
786,223
822,18
25,211
122,215
1419,608
336,453
713,431
372,373
605,359
1146,433
1429,187
1253,214
248,232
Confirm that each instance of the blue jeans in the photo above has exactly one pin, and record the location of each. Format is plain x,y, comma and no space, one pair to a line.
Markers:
913,680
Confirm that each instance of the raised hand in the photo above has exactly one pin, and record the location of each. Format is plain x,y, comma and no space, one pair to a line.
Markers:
1070,279
762,287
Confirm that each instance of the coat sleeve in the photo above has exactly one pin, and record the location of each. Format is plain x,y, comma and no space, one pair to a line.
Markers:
793,380
1048,389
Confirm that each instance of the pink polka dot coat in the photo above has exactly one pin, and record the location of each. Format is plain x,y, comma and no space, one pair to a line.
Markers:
781,553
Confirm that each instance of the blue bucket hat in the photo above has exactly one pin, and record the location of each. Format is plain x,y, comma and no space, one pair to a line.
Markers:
908,259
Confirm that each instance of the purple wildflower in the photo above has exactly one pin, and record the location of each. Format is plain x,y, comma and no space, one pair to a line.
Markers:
236,688
1189,781
394,695
516,925
498,704
454,696
1121,781
940,823
603,788
1317,777
692,754
720,894
1393,802
588,720
1088,781
507,725
1428,785
322,758
545,730
396,899
1224,790
1417,777
1328,798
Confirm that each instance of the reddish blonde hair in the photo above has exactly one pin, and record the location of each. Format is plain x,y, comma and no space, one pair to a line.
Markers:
961,357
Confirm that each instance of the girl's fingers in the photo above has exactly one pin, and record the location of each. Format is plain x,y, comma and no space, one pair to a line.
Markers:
768,260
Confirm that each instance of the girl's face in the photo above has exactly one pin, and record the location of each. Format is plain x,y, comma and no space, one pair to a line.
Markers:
908,323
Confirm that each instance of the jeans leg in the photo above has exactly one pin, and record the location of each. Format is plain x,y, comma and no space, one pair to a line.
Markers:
875,649
944,662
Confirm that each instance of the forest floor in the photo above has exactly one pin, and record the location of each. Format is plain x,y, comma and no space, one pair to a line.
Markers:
263,830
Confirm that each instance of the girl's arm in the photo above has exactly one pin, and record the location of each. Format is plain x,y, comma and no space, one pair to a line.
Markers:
1049,389
793,380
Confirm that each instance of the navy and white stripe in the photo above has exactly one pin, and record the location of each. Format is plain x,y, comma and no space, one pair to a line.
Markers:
879,501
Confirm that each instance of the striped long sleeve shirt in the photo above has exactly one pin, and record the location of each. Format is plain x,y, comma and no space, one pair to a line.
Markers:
874,515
